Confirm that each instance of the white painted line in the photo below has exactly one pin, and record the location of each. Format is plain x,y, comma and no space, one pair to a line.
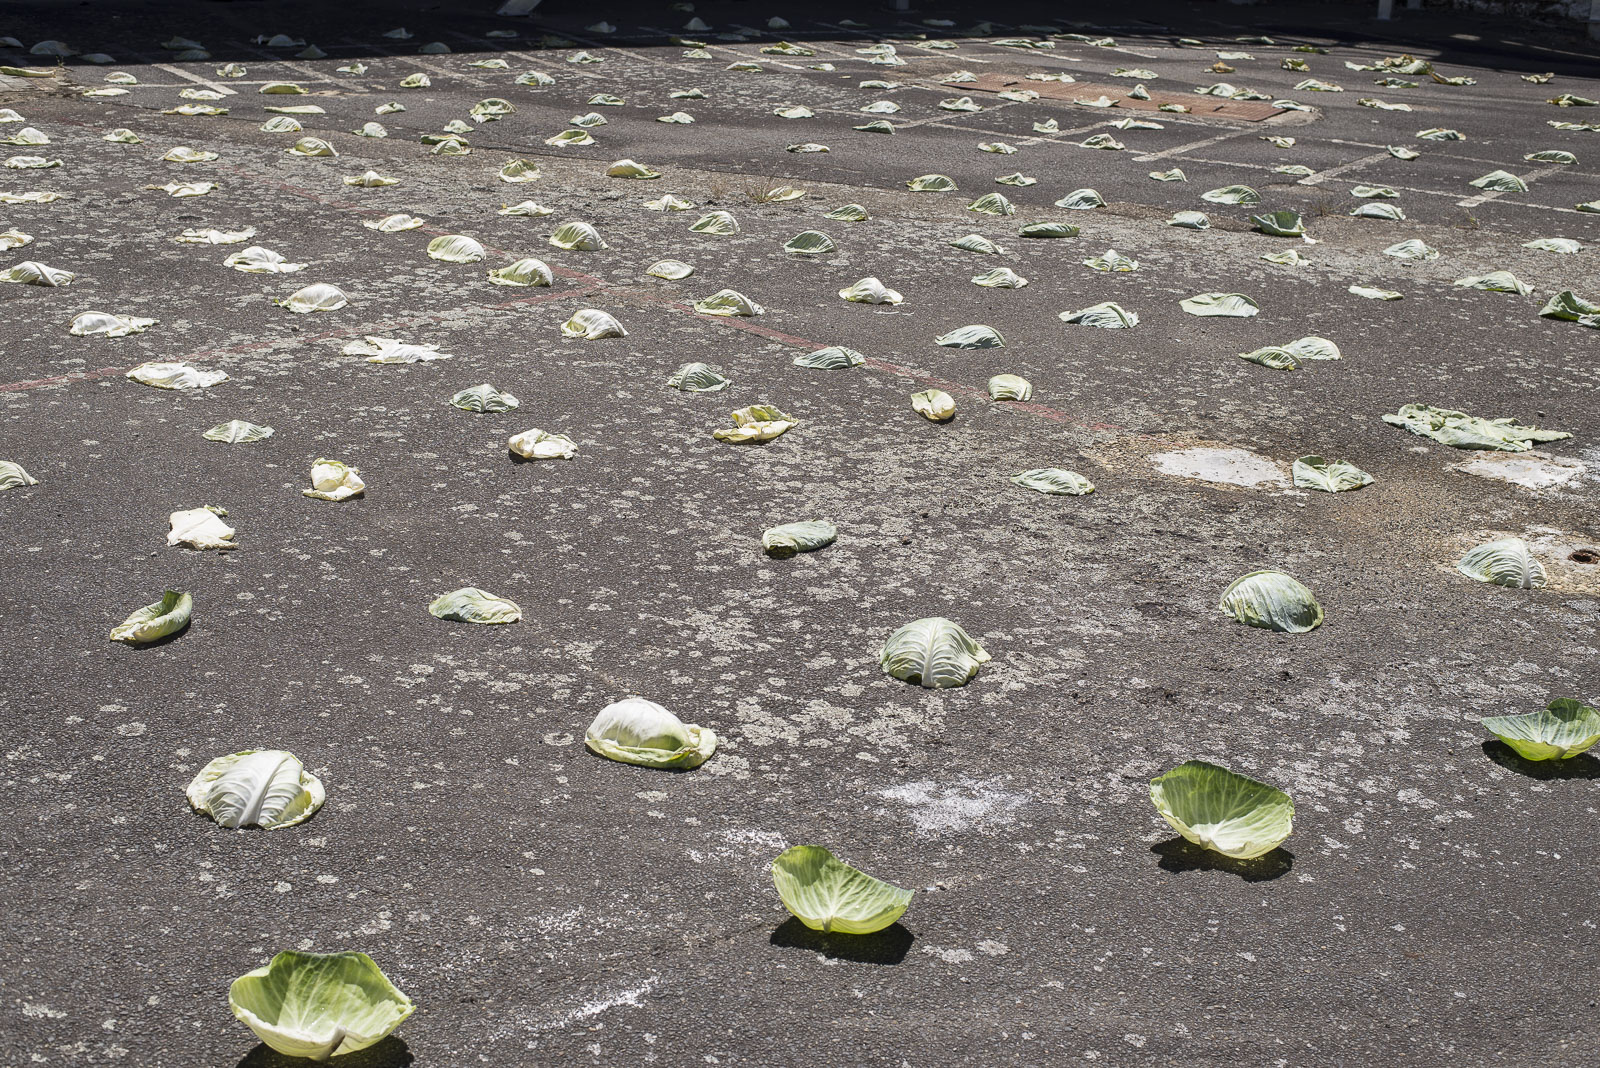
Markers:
1334,172
180,72
1181,149
429,68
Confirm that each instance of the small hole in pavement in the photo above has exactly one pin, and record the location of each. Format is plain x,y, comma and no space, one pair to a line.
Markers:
1585,556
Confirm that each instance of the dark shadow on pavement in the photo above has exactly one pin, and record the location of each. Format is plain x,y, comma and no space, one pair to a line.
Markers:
1181,855
888,946
390,1053
1582,766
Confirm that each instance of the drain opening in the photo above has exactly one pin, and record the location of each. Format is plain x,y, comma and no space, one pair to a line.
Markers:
1584,556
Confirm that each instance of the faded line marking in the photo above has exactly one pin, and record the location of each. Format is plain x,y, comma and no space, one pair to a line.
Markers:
1179,150
180,72
1334,172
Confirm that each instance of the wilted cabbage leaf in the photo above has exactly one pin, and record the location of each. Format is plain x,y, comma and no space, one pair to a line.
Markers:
258,260
472,605
1370,192
537,444
527,209
1108,316
976,336
698,378
932,183
1495,282
992,204
484,398
1190,220
216,237
1462,431
155,621
934,653
34,273
1102,140
591,324
935,405
370,180
12,476
237,430
1330,476
391,224
1173,175
1563,245
185,154
1500,181
334,481
1280,223
848,213
637,731
977,243
810,243
716,222
1081,200
524,272
1273,601
627,168
1055,481
672,270
392,350
1232,194
1553,155
757,422
1565,729
1223,811
1017,179
578,237
870,291
318,1005
1506,562
578,138
1289,257
785,541
728,302
1229,305
200,528
1113,261
311,146
104,324
1411,249
1374,293
266,788
1000,278
175,376
827,895
832,358
456,248
315,298
1571,307
1009,387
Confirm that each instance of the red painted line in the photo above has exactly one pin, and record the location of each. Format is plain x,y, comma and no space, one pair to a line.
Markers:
590,285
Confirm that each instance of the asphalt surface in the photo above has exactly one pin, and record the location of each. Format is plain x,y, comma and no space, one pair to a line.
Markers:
1435,904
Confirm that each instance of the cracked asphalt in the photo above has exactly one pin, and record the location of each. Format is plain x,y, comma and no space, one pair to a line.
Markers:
1435,903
